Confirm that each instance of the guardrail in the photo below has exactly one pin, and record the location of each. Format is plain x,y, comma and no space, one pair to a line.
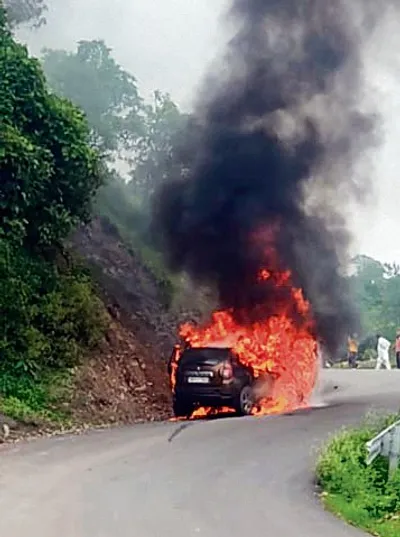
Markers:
386,444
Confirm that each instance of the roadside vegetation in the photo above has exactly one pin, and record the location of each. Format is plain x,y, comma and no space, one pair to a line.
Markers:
69,123
360,494
50,314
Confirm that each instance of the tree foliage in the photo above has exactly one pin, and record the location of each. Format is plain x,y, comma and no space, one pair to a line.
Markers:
123,124
25,11
376,288
156,158
49,174
108,94
47,318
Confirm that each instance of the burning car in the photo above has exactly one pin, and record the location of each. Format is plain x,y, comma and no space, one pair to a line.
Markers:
214,378
267,366
255,218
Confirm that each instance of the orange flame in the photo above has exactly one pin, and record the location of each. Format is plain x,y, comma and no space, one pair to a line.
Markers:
277,345
174,364
263,275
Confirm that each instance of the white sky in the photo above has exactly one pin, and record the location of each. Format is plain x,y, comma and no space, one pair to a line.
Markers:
167,45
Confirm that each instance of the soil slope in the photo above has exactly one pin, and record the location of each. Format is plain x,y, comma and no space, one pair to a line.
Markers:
126,379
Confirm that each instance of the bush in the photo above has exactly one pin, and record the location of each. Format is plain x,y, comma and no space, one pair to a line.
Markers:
47,319
35,401
362,494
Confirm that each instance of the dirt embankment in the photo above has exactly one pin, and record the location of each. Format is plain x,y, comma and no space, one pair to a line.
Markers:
126,379
123,382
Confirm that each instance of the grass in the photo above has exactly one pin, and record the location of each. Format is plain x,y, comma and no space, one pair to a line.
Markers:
42,402
357,493
354,514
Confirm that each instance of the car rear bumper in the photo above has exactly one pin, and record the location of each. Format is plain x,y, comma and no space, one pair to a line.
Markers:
207,395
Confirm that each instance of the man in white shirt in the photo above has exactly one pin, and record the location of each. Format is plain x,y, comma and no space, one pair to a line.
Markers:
383,353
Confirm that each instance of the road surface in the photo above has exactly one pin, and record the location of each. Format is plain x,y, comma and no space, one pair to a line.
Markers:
222,478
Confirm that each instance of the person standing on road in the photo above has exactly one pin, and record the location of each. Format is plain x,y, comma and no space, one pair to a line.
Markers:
352,351
383,353
397,345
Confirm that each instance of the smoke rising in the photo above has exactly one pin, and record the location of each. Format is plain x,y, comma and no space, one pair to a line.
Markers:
274,161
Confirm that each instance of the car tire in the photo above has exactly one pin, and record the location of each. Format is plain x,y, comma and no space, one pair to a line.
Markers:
182,409
245,401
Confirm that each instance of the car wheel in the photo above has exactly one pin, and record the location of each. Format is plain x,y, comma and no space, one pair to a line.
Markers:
182,409
245,403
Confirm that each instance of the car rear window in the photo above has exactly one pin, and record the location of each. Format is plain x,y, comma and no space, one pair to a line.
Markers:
207,353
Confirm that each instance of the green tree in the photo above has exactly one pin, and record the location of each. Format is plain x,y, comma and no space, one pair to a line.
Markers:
25,11
49,172
146,135
122,124
376,288
156,159
92,79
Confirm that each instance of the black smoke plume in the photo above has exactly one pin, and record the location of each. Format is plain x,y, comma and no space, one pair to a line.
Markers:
272,151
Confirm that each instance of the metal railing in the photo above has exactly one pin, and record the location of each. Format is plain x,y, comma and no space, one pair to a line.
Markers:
386,444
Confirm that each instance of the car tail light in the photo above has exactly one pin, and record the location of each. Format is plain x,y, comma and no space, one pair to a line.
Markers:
226,371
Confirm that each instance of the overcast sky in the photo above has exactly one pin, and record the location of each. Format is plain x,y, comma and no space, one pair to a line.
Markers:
167,45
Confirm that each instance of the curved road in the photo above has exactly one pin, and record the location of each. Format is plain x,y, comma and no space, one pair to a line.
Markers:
221,478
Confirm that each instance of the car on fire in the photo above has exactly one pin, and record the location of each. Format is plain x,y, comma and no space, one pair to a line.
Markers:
212,377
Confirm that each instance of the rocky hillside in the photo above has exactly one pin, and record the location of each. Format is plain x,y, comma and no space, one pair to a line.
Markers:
132,291
126,379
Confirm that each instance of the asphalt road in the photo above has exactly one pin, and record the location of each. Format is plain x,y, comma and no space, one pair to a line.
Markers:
222,478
